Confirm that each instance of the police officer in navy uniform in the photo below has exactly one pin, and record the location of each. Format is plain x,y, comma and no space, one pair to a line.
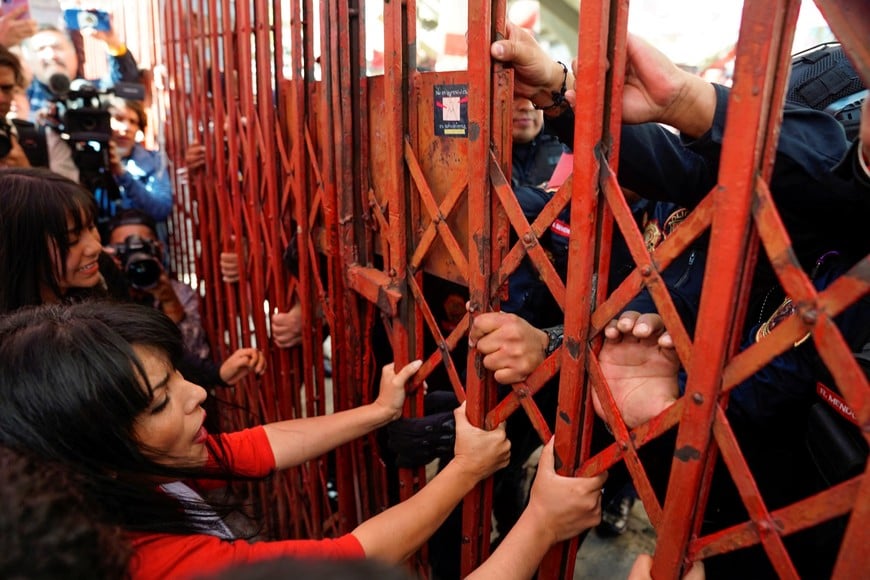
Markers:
824,203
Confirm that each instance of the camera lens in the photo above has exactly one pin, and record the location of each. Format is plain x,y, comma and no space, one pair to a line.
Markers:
143,271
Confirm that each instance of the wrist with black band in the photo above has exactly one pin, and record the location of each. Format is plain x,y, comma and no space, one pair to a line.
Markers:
559,101
555,335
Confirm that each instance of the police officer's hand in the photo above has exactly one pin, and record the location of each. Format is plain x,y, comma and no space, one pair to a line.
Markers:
512,347
640,364
16,156
536,75
13,29
657,90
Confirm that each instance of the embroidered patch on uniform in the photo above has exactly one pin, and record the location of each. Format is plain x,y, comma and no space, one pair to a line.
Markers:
674,220
786,309
652,235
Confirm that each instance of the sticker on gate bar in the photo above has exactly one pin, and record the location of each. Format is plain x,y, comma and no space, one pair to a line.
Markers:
451,110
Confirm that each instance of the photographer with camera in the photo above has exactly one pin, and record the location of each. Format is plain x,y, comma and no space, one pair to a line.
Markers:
51,51
140,173
73,117
137,251
11,80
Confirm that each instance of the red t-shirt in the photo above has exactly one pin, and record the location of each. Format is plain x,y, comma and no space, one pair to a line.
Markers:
184,556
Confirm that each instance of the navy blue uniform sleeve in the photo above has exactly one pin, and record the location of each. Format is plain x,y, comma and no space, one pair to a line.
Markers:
660,165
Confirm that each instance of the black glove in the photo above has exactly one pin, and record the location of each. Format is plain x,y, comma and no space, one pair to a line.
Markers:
418,441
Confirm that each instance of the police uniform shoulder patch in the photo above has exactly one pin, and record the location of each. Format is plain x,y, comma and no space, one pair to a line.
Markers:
675,219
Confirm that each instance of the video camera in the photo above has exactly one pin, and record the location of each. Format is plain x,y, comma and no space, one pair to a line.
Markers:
83,119
140,261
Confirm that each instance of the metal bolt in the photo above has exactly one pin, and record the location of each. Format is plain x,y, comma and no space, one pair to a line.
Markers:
698,398
810,317
645,271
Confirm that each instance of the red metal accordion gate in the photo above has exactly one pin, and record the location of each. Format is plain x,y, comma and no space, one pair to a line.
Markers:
308,152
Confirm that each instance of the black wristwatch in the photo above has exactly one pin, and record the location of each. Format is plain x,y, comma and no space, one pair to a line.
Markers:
555,334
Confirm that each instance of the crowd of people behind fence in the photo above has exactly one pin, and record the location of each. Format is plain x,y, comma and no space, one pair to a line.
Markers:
106,374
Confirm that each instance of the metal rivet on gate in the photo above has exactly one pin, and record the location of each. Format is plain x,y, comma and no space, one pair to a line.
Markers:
810,317
646,271
698,398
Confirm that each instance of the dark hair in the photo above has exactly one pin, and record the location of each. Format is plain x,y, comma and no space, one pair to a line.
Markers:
137,107
72,387
10,60
48,528
130,217
35,205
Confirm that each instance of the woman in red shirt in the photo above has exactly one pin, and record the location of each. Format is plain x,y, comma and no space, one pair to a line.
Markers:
94,386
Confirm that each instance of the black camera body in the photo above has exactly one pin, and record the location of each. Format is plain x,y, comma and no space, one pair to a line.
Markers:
140,261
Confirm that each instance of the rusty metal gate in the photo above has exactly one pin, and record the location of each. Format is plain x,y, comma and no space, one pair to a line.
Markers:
306,151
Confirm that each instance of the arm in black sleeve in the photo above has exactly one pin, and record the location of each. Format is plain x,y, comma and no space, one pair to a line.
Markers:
123,68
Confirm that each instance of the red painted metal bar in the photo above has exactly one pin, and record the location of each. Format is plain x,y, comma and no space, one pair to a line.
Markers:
476,518
764,28
593,127
399,19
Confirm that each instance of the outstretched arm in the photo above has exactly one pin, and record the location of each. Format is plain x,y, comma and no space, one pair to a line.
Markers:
640,364
398,532
122,64
559,508
298,440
